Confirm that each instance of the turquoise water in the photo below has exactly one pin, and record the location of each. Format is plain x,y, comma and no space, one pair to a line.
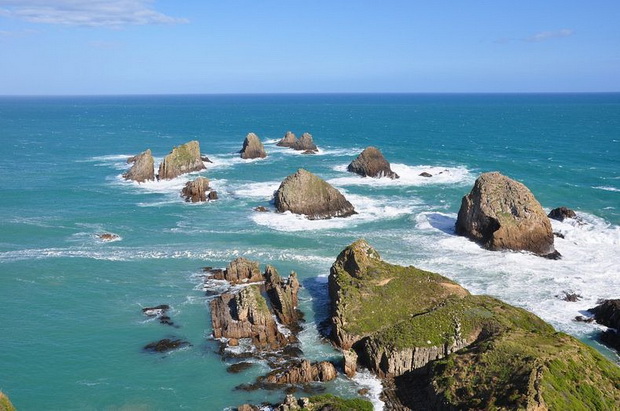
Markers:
72,330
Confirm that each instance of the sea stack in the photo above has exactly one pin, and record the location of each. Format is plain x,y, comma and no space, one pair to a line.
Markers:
305,143
371,163
305,193
182,159
502,214
252,148
196,191
288,140
143,168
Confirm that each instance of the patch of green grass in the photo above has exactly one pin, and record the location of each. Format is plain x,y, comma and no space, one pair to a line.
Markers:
338,404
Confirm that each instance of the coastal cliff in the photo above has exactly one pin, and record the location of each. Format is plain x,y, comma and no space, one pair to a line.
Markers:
438,347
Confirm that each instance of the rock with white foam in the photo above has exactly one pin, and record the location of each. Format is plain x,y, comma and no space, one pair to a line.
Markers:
143,168
252,148
288,140
305,143
372,163
197,190
181,160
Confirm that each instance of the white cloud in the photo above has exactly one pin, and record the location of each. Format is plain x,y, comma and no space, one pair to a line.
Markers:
546,35
93,13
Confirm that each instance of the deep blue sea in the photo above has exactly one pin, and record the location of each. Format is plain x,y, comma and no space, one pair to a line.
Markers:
72,329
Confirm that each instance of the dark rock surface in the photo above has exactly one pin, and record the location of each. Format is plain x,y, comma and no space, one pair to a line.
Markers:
425,174
143,168
561,213
371,163
252,147
305,193
166,345
502,214
181,160
608,313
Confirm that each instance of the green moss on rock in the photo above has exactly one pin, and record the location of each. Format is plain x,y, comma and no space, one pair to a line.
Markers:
319,402
5,403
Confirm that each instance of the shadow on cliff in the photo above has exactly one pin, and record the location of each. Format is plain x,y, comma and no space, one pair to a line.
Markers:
318,289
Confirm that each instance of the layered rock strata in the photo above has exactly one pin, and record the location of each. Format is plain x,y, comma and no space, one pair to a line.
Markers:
181,160
439,347
371,163
283,295
305,193
238,271
503,214
143,168
252,148
302,373
197,190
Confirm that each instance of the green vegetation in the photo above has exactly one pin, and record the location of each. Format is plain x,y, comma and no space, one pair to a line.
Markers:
338,404
184,154
5,403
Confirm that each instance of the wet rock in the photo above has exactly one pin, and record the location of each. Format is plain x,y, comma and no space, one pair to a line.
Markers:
283,295
309,152
582,319
558,235
166,345
350,362
108,237
608,313
143,168
561,213
502,214
156,311
205,159
239,367
304,143
371,163
212,195
196,191
569,296
261,209
305,193
181,160
252,147
425,174
288,140
240,270
303,372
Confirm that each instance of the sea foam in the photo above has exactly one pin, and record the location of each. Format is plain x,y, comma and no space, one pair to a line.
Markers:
409,176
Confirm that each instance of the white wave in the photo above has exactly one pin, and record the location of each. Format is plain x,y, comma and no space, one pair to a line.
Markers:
262,190
366,379
409,176
607,188
589,266
223,161
368,209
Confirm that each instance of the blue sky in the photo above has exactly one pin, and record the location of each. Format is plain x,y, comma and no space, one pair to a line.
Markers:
283,46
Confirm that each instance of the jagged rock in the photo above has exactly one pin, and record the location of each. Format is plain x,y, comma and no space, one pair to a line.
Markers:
166,345
303,372
108,237
143,168
246,315
476,351
304,143
182,159
350,362
261,209
283,295
608,313
196,191
252,147
5,403
502,214
309,152
288,140
371,163
240,270
561,213
205,159
425,174
305,193
212,195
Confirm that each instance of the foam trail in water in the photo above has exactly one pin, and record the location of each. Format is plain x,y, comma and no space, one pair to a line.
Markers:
409,176
607,188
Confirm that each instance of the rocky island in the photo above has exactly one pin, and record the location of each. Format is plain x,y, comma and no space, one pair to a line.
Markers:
183,159
503,214
371,163
436,346
252,148
143,168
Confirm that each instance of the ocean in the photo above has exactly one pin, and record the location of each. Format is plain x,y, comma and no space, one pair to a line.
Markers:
72,331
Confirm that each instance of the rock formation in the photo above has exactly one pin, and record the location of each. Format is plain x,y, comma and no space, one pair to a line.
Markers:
107,237
561,213
143,168
288,140
305,193
502,214
477,352
304,143
323,402
196,191
303,373
182,159
283,295
166,345
5,403
608,314
371,163
246,315
252,147
239,271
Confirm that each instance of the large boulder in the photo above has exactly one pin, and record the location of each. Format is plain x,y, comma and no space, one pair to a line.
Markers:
502,214
305,143
182,159
239,271
252,147
246,315
143,168
305,193
371,163
439,347
288,140
197,190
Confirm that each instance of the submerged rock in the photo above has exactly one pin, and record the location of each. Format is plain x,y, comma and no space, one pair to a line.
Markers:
305,193
502,214
305,143
477,352
561,213
252,147
181,160
425,174
261,209
240,270
196,191
288,140
108,237
156,311
166,345
371,163
143,168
